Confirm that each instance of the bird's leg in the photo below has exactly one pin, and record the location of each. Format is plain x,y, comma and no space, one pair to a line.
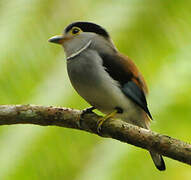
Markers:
87,111
101,120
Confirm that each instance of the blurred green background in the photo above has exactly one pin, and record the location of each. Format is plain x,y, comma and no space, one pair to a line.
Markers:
155,34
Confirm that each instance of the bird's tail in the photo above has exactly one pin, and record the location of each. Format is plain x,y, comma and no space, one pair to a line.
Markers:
145,123
157,158
158,161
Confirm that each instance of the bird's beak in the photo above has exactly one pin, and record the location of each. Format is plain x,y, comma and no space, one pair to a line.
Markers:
59,39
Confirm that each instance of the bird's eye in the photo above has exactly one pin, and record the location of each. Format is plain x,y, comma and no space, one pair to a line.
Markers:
76,31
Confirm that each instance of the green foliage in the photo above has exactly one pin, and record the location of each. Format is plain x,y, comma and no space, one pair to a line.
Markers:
155,34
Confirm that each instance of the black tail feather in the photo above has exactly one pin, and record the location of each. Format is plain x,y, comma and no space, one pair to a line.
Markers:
158,161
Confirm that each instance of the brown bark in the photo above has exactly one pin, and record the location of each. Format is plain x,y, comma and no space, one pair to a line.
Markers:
116,129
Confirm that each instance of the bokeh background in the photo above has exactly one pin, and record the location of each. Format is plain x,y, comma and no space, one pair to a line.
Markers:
156,34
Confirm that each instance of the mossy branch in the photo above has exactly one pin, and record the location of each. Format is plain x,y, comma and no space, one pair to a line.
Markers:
116,129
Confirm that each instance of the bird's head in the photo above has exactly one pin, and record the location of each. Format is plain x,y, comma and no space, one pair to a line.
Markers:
78,35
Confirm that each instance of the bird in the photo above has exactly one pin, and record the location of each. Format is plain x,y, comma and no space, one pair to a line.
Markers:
108,80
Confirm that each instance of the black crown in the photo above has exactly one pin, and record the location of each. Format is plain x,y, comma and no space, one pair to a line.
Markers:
88,27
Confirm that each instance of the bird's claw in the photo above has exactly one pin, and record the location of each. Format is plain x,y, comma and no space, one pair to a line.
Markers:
99,124
87,111
103,119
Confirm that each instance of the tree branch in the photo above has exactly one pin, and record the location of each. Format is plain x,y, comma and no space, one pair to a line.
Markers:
116,129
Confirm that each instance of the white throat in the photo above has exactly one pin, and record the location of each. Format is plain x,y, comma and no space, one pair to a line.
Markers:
79,51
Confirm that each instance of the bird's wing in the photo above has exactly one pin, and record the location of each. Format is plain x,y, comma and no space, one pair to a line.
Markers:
123,70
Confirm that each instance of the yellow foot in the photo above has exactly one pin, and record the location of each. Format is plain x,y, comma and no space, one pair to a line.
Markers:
101,120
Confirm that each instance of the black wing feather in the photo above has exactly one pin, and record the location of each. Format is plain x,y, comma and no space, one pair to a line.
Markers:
131,90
